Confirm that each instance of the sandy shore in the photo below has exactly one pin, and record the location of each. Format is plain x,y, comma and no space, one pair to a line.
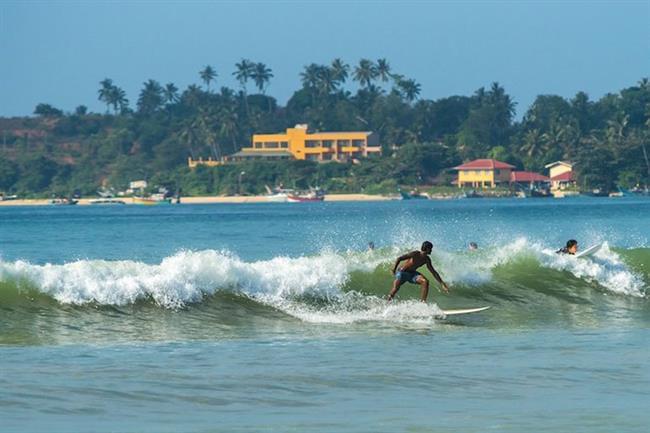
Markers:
208,199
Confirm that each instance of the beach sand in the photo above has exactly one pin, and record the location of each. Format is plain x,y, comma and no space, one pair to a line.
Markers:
208,199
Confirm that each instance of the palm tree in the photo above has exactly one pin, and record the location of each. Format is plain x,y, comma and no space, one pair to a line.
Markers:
533,144
243,72
340,70
229,123
556,136
192,96
105,92
206,119
151,97
409,88
617,128
117,98
383,70
208,74
310,76
188,134
170,93
261,76
365,72
327,82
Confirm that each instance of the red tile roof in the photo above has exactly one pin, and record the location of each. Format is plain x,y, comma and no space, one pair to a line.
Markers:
564,177
483,164
527,176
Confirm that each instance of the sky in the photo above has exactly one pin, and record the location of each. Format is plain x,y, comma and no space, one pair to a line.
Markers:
57,52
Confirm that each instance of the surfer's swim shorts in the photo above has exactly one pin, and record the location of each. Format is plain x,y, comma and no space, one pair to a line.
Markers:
404,276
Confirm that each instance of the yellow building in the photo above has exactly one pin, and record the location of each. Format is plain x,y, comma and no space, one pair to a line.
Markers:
299,143
482,173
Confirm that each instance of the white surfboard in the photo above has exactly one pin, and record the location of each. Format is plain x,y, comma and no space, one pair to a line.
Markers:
463,311
589,251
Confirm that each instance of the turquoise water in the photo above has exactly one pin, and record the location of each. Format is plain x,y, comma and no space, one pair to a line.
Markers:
270,317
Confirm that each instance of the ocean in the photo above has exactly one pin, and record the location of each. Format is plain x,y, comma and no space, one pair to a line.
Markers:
272,318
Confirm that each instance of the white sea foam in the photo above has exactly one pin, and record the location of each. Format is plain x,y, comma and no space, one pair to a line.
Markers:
605,268
185,277
188,276
353,307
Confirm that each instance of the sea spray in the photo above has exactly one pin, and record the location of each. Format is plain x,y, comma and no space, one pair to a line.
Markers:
187,277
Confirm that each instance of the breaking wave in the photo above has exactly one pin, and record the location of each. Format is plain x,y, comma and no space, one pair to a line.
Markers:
331,287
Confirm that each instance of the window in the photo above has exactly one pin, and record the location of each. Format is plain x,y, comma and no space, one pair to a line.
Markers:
271,145
328,143
497,172
284,144
344,142
313,157
312,143
327,157
358,143
258,145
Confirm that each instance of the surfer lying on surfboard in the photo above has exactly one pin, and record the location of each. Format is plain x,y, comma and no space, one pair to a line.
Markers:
408,272
571,247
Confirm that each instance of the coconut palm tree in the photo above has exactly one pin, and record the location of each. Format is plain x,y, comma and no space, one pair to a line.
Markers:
208,74
188,134
151,97
365,73
383,70
340,70
261,76
228,122
170,93
310,77
243,72
206,120
409,88
533,144
105,92
117,98
327,82
192,96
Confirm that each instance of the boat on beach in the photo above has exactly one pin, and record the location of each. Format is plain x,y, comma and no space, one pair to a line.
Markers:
153,199
63,201
413,195
106,201
311,195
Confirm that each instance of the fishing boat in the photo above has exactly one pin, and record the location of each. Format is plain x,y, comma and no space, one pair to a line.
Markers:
278,194
413,195
63,201
153,199
311,195
106,201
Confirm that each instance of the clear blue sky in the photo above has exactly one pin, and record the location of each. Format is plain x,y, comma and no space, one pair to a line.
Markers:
58,51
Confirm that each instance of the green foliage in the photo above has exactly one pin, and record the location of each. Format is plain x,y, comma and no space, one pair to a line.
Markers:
46,110
63,153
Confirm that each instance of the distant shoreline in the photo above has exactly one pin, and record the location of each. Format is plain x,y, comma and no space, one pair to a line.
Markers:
202,200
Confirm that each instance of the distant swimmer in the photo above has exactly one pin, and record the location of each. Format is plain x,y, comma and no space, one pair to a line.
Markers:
371,246
571,247
473,246
408,272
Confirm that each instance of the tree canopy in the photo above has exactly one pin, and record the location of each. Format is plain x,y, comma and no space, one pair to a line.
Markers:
57,152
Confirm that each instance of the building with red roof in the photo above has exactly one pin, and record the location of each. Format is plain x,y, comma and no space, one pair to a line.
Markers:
561,174
528,177
482,173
